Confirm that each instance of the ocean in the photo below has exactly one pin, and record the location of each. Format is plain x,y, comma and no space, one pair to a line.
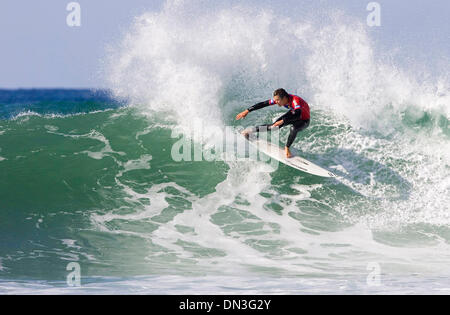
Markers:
87,176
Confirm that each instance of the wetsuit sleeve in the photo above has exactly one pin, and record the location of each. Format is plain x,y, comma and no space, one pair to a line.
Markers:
261,105
293,116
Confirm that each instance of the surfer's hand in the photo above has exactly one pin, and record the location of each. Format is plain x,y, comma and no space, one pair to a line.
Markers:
278,123
242,115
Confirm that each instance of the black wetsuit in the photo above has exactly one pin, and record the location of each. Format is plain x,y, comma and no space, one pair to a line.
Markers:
292,117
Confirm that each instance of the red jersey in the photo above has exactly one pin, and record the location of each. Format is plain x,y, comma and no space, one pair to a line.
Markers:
296,102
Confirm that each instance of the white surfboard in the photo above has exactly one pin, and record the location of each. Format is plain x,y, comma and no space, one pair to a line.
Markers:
296,161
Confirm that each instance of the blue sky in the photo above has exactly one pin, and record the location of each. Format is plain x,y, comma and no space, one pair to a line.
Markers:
40,50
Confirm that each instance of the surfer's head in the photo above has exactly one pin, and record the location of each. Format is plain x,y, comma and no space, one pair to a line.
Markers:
281,97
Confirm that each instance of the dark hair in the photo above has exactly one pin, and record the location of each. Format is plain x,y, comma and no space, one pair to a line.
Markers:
281,93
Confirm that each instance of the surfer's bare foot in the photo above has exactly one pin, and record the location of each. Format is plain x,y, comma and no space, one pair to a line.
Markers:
288,152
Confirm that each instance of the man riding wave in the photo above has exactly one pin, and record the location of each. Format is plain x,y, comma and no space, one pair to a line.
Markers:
298,116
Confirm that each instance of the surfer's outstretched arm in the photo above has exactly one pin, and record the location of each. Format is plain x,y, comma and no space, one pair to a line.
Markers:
260,105
254,107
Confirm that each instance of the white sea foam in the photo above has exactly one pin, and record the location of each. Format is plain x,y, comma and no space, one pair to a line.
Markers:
229,285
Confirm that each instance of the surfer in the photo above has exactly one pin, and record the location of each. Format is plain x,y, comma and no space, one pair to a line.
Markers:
298,116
